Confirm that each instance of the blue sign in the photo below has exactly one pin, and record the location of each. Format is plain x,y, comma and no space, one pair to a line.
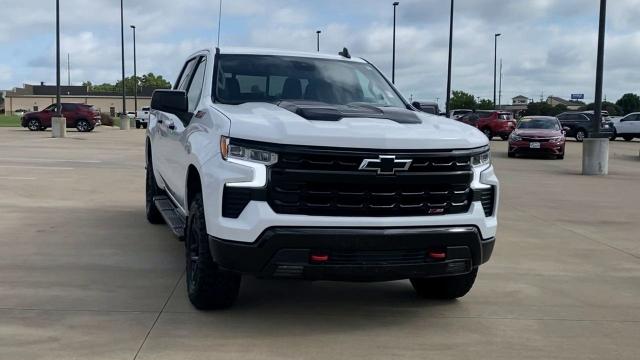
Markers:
577,96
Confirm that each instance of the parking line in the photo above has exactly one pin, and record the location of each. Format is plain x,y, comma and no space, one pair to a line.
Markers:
35,167
51,160
16,178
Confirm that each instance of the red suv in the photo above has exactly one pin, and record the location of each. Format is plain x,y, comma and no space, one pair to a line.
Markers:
491,122
80,116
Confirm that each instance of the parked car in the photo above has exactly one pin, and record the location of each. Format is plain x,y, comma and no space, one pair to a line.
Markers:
580,124
491,122
456,114
20,112
142,118
538,135
294,165
429,107
80,116
627,127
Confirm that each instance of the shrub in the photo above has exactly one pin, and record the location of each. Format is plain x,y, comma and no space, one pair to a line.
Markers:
106,119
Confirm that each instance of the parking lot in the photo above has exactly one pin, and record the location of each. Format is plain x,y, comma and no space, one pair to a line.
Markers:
83,275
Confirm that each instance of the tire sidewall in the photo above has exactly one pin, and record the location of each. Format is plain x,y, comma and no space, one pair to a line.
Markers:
34,125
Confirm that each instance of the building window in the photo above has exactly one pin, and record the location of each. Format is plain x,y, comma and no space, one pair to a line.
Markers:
35,107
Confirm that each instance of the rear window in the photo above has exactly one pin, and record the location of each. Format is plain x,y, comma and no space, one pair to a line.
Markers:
505,116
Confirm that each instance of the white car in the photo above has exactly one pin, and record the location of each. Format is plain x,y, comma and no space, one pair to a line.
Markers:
458,113
142,118
309,166
627,127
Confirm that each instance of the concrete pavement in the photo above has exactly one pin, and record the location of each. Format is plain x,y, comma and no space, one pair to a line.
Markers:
84,276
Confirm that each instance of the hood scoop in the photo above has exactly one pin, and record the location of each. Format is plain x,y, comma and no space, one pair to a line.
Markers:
313,110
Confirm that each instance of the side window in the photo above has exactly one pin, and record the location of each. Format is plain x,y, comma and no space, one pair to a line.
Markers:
185,75
195,88
68,107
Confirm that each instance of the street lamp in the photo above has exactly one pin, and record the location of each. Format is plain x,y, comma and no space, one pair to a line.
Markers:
595,150
318,32
135,71
495,66
58,123
124,121
450,58
393,63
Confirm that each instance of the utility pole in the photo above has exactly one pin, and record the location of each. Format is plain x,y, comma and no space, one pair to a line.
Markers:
219,21
500,89
135,73
318,32
58,123
595,149
68,70
450,59
495,65
124,119
393,62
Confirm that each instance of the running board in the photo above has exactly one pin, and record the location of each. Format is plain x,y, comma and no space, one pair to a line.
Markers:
171,215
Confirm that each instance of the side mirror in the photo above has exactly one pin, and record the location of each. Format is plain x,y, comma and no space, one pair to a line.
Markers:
170,101
565,129
416,105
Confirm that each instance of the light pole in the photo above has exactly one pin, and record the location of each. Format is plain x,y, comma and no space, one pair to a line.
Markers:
318,32
495,66
135,72
219,21
124,120
393,62
58,123
450,59
500,87
595,149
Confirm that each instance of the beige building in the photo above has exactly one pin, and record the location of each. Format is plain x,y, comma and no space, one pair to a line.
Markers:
38,97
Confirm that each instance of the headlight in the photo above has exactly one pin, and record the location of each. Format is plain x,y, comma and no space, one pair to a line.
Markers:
515,137
481,159
228,150
557,139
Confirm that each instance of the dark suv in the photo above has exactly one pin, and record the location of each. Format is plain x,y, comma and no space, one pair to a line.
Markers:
580,124
80,116
491,122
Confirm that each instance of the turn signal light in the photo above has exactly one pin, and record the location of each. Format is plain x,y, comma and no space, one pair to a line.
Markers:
319,258
437,255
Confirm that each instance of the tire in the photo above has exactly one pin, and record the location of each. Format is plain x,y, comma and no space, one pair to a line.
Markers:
560,157
445,288
488,133
627,138
83,125
34,125
614,136
511,155
151,191
581,134
137,124
208,286
144,126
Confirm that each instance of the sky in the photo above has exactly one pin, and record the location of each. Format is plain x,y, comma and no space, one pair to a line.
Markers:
548,47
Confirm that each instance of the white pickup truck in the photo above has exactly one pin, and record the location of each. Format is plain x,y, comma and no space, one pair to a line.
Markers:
310,166
142,118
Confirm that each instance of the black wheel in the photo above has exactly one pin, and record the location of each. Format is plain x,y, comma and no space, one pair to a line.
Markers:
34,125
511,154
445,288
137,124
83,125
504,137
560,157
151,191
627,138
581,134
208,286
614,136
487,132
144,126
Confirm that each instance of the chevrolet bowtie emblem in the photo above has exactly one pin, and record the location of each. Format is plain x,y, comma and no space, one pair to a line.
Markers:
385,165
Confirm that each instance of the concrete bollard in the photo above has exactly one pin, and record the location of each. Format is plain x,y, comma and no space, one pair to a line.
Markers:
58,127
595,156
125,124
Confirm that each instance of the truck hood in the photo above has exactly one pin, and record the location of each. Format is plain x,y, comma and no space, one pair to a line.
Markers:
271,123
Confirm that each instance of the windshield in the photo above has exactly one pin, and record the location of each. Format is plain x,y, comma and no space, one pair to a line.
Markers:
260,78
540,124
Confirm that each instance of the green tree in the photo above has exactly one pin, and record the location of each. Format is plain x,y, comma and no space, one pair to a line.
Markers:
611,108
462,100
559,109
539,109
149,80
486,104
629,103
153,81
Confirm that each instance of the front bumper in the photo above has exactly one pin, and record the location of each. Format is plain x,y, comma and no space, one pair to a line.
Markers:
548,148
356,254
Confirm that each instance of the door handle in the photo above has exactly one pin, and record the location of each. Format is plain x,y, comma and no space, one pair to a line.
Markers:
160,121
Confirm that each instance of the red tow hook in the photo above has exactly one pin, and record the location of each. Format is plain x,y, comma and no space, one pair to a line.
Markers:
437,255
319,258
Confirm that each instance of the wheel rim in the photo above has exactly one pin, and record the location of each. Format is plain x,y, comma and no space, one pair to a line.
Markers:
580,135
487,133
193,253
34,125
82,126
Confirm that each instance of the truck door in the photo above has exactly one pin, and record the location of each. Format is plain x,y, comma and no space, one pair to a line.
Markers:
177,134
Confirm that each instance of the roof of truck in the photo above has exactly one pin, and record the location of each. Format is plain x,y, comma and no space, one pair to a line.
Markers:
277,52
